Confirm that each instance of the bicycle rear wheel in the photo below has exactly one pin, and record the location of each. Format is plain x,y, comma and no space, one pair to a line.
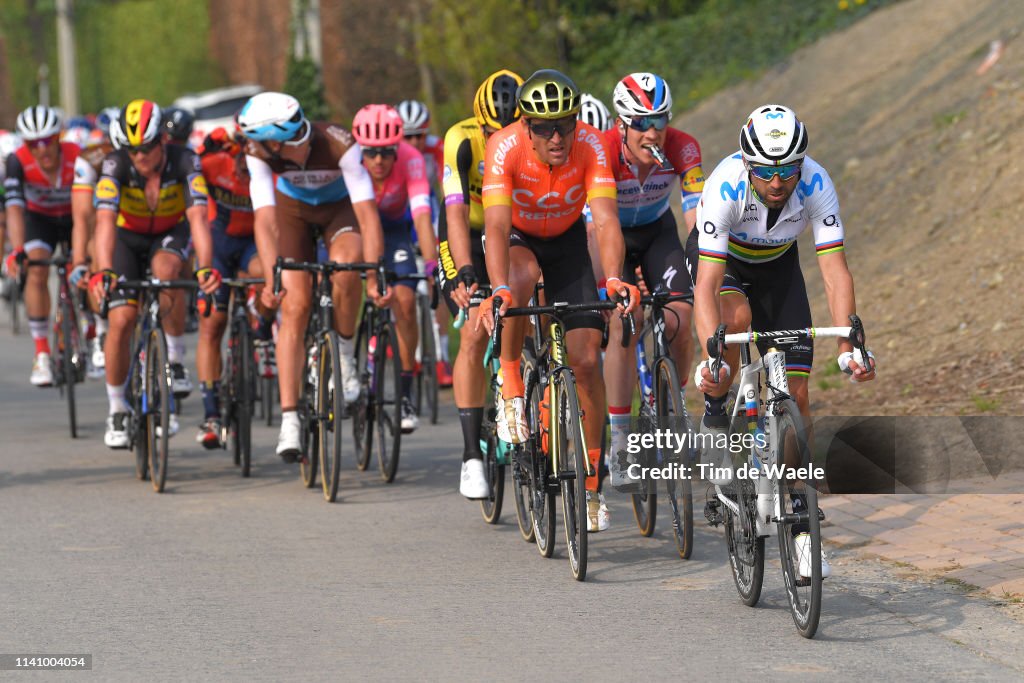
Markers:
387,401
157,397
803,592
542,496
669,407
645,504
329,407
571,454
746,548
428,370
490,507
520,458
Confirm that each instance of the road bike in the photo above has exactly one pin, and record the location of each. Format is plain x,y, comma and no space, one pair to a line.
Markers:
69,349
662,404
771,490
239,379
148,390
553,461
321,401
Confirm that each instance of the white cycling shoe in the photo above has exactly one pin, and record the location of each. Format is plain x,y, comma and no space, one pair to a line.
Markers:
116,435
802,544
42,370
473,483
510,423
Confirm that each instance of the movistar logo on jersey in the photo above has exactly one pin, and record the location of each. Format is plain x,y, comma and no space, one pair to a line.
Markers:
729,192
806,189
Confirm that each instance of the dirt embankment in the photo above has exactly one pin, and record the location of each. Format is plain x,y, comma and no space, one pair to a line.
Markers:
926,154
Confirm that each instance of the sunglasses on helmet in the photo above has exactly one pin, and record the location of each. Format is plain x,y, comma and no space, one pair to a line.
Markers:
388,152
645,123
547,129
766,173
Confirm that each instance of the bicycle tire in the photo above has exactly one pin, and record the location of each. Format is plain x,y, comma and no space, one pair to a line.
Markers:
428,369
669,405
571,456
387,401
243,402
67,371
746,548
138,438
490,507
804,595
329,406
309,438
268,398
158,397
13,304
645,503
542,496
520,461
362,417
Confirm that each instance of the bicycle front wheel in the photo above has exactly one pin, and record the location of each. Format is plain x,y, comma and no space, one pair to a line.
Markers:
571,457
66,348
242,397
387,400
494,471
669,407
746,548
156,400
519,458
428,371
362,409
309,436
329,407
797,519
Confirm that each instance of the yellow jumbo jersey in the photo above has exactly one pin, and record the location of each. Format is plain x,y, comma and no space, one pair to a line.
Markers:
463,176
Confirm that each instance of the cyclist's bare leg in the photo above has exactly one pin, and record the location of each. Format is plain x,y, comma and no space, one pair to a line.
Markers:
736,315
168,266
347,293
406,324
470,388
37,290
583,346
208,358
120,321
619,365
680,331
291,352
523,274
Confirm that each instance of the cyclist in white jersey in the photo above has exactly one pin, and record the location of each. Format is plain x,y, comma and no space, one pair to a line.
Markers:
755,205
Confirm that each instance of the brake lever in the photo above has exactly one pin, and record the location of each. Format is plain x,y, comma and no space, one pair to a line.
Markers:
277,276
859,341
716,347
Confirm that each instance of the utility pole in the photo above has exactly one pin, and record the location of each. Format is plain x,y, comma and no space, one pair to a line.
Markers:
66,58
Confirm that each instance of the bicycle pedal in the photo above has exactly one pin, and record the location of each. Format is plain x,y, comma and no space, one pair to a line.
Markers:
713,512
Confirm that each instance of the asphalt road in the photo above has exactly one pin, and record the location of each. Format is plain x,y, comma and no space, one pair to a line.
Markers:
260,579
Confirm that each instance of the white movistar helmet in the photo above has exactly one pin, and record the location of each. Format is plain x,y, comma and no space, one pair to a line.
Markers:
36,123
594,112
773,136
415,116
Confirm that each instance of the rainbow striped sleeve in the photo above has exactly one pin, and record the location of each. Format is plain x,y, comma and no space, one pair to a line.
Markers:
829,247
711,255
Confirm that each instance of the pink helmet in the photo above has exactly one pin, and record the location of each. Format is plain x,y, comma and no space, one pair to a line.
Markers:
378,125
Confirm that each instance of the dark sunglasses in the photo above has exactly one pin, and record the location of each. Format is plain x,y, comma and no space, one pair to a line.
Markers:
415,136
547,129
645,123
144,149
385,152
766,173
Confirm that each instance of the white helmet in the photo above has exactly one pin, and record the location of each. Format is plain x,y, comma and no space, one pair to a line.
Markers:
36,123
9,143
415,116
271,116
642,94
593,111
773,136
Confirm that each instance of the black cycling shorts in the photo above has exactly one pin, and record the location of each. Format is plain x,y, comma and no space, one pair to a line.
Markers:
568,274
446,266
778,299
655,247
46,232
134,252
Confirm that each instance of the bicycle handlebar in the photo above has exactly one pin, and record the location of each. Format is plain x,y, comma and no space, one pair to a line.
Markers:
854,334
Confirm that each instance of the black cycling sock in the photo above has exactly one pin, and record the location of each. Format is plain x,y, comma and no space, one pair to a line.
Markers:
471,419
211,398
407,384
714,406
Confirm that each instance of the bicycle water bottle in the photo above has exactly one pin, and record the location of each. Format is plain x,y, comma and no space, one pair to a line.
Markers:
765,499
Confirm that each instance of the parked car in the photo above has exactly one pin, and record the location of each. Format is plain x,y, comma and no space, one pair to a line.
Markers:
215,108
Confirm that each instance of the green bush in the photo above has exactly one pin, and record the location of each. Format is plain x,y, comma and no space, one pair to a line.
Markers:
303,82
